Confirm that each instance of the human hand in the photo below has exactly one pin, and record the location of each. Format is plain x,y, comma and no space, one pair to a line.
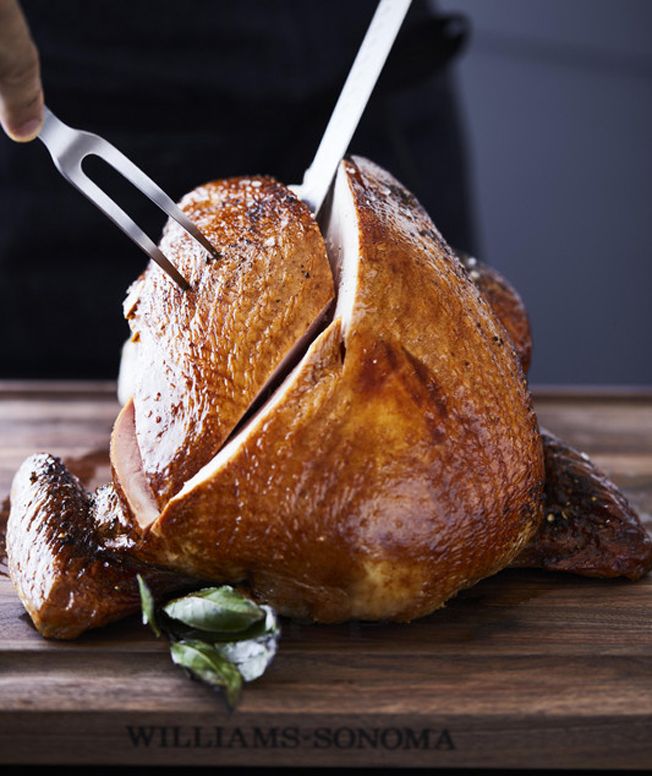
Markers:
21,92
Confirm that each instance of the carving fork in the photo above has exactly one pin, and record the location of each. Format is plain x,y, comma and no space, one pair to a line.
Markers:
69,147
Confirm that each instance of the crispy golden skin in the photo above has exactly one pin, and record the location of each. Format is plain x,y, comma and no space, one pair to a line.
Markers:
400,463
590,528
205,354
69,552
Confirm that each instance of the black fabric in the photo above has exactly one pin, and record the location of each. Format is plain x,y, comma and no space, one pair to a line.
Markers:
194,91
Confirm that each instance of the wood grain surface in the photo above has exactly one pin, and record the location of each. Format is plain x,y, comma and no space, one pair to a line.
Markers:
526,669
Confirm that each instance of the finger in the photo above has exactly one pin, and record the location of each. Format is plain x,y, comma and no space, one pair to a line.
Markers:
21,93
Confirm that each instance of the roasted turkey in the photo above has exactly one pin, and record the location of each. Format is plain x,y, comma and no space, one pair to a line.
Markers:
340,423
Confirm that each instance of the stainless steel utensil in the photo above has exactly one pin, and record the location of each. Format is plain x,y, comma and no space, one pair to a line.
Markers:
69,147
352,101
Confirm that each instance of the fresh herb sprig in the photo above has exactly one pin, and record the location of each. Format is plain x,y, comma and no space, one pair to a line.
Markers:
216,634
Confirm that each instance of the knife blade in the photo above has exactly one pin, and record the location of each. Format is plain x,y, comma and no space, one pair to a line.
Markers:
352,101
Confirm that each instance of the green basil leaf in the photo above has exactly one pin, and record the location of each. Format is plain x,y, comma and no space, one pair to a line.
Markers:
215,610
253,656
205,663
178,631
147,606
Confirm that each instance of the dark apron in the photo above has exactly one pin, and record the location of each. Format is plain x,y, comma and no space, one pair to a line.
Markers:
194,91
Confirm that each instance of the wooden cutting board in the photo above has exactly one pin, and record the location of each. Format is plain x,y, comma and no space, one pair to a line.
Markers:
526,669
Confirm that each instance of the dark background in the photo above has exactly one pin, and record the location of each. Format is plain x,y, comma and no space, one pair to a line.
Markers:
557,95
551,99
192,92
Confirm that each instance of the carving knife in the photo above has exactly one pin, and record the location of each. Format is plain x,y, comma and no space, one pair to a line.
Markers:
352,101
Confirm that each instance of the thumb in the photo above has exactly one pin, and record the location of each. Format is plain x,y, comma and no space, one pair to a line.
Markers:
21,93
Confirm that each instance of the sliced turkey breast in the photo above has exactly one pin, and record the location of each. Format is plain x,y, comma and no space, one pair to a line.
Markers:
201,357
399,462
